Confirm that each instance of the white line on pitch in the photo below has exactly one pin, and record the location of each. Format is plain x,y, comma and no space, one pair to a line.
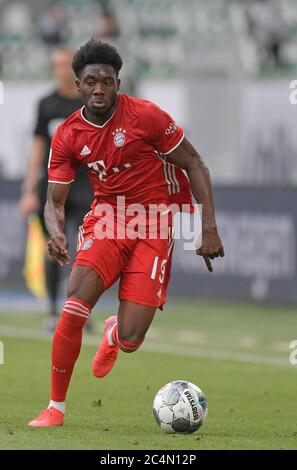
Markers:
154,346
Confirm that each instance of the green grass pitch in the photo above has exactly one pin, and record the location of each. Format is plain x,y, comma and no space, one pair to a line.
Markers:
238,354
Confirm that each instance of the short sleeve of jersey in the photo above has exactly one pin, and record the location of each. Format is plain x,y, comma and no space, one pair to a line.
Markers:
160,130
62,166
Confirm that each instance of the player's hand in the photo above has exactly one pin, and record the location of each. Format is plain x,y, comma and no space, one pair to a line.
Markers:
211,247
58,249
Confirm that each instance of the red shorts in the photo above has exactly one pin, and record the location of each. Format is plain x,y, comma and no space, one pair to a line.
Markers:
143,265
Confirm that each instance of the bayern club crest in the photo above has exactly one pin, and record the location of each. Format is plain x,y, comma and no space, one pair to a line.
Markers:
119,137
87,244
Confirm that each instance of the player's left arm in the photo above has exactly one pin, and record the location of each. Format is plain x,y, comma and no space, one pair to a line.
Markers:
187,158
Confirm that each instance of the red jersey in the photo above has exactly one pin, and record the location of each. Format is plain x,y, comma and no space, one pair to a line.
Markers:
126,156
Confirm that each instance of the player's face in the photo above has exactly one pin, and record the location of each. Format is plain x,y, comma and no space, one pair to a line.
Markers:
98,86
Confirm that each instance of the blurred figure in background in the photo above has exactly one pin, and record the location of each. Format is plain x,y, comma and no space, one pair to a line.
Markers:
267,27
109,27
52,25
53,109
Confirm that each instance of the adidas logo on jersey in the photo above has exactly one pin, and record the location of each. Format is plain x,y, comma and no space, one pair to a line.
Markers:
85,151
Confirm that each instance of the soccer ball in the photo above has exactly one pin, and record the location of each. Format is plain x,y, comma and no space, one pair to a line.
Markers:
180,407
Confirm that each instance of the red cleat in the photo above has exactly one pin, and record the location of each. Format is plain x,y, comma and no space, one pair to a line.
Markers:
48,418
106,355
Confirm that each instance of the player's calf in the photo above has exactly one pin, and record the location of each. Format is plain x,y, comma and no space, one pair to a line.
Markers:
129,346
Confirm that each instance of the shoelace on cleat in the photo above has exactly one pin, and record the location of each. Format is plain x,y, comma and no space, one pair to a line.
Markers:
49,411
108,353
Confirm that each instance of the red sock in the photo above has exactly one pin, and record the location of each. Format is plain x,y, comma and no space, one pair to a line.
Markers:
125,346
66,345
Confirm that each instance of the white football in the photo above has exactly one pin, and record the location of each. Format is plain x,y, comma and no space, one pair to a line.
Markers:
180,407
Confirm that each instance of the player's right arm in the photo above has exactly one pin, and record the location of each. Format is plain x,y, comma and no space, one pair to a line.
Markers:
54,216
62,168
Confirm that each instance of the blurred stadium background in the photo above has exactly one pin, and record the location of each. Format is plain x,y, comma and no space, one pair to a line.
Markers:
222,68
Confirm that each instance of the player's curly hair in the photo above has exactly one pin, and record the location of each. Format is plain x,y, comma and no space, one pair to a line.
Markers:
96,52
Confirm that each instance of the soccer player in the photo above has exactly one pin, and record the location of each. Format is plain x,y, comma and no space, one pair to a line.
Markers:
120,139
53,109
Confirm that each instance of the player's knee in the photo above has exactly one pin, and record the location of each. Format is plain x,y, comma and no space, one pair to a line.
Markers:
77,293
130,343
75,314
